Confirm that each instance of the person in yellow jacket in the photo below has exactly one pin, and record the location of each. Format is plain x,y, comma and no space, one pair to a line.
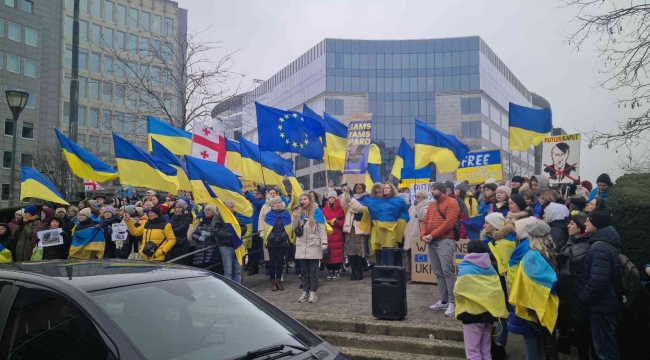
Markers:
462,191
156,232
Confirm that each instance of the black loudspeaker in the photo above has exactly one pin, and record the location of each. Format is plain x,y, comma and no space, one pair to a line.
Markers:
389,293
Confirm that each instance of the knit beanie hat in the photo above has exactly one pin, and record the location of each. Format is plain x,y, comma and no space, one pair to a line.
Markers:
32,210
505,189
331,194
156,210
462,187
605,179
261,190
490,181
519,200
476,247
60,210
491,186
495,219
587,185
450,185
130,209
109,209
151,193
86,212
538,229
600,219
439,186
139,210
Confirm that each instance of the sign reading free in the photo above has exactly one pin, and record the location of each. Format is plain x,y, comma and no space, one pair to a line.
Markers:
478,166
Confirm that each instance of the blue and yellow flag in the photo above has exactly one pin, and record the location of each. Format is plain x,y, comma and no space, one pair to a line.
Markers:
233,156
336,135
374,156
432,145
83,163
372,175
389,216
515,259
5,255
247,221
478,290
528,126
221,181
271,218
34,185
256,166
289,131
178,141
160,152
87,244
296,190
533,293
405,158
138,168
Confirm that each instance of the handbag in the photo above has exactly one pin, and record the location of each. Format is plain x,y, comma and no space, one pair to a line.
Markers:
456,227
150,248
326,254
299,230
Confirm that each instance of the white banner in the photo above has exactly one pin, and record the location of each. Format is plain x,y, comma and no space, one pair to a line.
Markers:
50,237
119,232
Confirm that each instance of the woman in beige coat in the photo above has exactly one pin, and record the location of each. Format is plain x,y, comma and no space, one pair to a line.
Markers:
311,239
355,245
417,212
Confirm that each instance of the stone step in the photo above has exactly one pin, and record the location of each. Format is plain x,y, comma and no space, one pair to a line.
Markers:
366,354
403,345
443,330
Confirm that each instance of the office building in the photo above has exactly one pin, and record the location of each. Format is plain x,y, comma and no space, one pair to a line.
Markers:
458,85
121,43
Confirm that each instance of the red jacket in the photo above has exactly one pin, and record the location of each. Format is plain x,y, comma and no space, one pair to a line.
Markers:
435,225
335,240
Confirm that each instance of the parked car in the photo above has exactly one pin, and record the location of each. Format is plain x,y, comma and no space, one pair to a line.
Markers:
135,310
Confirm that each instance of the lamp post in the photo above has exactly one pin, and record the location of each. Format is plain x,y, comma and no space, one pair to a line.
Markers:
17,100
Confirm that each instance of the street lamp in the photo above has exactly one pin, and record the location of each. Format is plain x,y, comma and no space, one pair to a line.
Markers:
17,100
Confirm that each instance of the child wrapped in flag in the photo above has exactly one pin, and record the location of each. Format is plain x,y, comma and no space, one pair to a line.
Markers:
479,300
7,244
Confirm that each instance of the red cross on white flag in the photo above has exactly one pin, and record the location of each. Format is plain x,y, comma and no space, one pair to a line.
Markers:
91,185
208,144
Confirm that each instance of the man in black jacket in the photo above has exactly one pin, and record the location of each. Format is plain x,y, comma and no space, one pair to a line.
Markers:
601,283
181,221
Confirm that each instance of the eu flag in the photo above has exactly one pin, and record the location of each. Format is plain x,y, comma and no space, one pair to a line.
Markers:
289,131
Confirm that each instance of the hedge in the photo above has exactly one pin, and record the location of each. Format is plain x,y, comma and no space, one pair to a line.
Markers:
629,203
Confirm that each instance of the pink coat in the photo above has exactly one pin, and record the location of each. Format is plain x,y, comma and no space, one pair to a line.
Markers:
335,240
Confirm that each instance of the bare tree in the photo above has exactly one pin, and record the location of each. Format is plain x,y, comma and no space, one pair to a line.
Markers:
622,34
50,162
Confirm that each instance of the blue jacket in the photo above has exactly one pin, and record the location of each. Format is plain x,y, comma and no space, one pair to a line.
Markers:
257,206
484,207
595,193
537,210
601,273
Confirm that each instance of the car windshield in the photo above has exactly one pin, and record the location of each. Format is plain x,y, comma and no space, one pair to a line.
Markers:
196,318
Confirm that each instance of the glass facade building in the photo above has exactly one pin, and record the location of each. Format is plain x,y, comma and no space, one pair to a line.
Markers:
457,85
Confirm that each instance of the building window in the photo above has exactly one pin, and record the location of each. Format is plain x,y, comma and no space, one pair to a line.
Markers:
133,18
129,123
157,24
155,75
108,37
304,181
82,87
132,69
97,9
119,94
66,84
107,93
108,65
68,55
133,44
169,26
83,6
319,180
302,162
9,127
485,131
13,63
121,41
27,6
14,31
95,62
5,192
81,115
168,54
83,31
66,113
106,119
2,27
109,10
26,160
30,68
132,99
2,59
144,47
121,14
106,147
31,101
68,27
28,130
156,46
93,89
167,100
145,22
118,120
96,35
31,37
93,143
6,159
83,59
334,106
94,118
141,127
119,69
11,3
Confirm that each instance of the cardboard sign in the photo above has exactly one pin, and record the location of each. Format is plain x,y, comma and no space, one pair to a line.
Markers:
50,237
119,232
248,185
478,166
421,270
561,158
414,188
357,149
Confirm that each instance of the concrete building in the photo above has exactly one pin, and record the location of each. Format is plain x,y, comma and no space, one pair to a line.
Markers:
121,43
458,85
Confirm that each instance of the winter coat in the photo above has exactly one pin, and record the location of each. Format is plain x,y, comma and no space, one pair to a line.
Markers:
211,256
571,264
516,223
560,233
23,236
257,206
107,225
595,193
157,231
309,245
335,216
472,206
355,213
504,209
485,206
180,226
260,220
278,231
537,209
43,225
417,213
434,224
58,251
601,273
8,242
542,184
13,225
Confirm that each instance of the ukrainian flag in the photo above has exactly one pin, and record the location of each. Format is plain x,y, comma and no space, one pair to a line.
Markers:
5,255
296,190
374,157
372,175
533,292
83,163
178,141
34,185
222,182
432,145
336,135
161,153
528,126
389,216
478,290
255,165
405,159
87,244
138,168
270,220
233,156
515,259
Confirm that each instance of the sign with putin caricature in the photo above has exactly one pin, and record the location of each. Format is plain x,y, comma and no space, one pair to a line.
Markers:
561,158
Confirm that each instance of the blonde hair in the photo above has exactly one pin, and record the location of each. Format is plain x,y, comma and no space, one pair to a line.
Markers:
310,209
375,187
543,244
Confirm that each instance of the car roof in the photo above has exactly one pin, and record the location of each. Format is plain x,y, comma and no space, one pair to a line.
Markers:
93,275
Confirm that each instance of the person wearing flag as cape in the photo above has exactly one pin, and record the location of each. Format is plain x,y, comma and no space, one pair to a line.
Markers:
356,228
278,237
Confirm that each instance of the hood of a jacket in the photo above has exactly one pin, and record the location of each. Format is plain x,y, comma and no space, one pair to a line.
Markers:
157,220
480,260
7,233
555,211
542,183
608,235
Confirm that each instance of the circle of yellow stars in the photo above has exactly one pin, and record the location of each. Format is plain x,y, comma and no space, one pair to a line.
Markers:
282,135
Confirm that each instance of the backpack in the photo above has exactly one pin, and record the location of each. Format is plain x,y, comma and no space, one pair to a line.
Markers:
633,296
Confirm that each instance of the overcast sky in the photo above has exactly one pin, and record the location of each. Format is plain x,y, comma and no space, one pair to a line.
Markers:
529,38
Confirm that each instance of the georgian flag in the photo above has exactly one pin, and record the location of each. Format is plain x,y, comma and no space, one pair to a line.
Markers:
91,185
208,144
